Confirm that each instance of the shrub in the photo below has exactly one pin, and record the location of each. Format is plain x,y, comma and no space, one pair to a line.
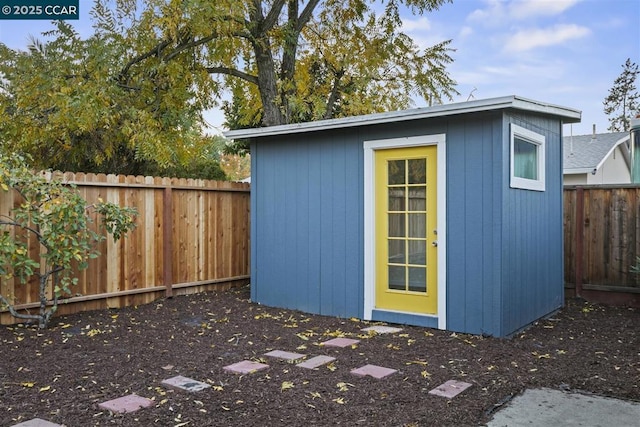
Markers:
59,219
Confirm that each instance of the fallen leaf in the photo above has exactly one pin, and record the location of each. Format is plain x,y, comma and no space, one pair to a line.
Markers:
418,362
342,386
45,388
338,400
286,385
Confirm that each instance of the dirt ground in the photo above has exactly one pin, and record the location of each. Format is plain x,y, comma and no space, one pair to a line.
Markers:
61,374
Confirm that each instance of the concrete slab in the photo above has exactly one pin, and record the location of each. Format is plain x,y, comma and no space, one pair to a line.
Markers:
450,389
37,422
381,329
547,407
130,403
245,367
185,384
374,371
315,362
285,355
340,342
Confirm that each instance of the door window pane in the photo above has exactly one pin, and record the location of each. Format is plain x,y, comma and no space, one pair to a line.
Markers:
417,198
417,171
396,199
396,172
418,252
397,251
397,278
418,279
417,225
396,225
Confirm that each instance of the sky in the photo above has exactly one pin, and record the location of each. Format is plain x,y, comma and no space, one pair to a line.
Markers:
563,52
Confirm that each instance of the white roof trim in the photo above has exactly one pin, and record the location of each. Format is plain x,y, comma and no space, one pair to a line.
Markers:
569,114
577,171
606,156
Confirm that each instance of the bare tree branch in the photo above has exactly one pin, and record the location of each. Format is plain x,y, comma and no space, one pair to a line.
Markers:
272,17
184,46
233,72
306,15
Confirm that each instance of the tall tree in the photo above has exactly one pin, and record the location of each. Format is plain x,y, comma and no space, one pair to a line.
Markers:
61,104
622,102
284,61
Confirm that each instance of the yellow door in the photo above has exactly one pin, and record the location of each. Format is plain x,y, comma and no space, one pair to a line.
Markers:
406,235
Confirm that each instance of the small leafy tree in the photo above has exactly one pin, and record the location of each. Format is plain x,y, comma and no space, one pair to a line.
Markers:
622,102
59,219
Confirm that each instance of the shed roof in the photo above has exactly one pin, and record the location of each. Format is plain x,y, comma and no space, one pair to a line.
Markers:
569,115
586,153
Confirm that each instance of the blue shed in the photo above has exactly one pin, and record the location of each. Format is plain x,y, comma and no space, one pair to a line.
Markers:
447,216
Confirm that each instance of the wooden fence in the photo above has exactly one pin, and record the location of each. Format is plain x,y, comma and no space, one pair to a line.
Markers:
191,235
602,241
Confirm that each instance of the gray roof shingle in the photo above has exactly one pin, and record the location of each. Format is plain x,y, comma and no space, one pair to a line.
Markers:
583,152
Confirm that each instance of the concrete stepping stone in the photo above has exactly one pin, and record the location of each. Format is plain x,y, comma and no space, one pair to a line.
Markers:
381,329
315,362
340,342
245,367
130,403
374,371
285,355
187,384
37,422
450,389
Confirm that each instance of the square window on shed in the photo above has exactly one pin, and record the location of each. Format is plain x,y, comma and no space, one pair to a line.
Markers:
527,159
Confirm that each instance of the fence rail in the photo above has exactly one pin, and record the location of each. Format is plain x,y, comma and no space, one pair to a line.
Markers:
191,235
602,242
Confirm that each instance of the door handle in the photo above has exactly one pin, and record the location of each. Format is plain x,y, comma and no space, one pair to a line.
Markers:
434,243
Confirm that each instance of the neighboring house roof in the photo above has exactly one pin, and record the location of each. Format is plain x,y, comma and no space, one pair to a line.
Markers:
587,153
568,115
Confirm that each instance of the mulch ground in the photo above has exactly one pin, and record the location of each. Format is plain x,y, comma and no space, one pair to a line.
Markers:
61,374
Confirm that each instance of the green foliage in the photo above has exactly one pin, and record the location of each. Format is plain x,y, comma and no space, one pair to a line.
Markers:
62,102
282,61
59,219
129,99
622,103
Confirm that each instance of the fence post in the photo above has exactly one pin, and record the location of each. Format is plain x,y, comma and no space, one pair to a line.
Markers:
579,239
167,241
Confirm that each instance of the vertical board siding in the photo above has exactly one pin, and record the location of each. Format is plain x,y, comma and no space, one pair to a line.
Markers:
504,246
474,159
210,241
610,234
532,247
306,219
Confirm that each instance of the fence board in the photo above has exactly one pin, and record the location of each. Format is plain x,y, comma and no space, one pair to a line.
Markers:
198,250
600,250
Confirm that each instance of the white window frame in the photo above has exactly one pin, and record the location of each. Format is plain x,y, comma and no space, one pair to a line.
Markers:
537,140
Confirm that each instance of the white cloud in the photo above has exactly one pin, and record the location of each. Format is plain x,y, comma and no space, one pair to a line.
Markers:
525,9
494,13
420,24
465,32
525,40
498,12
